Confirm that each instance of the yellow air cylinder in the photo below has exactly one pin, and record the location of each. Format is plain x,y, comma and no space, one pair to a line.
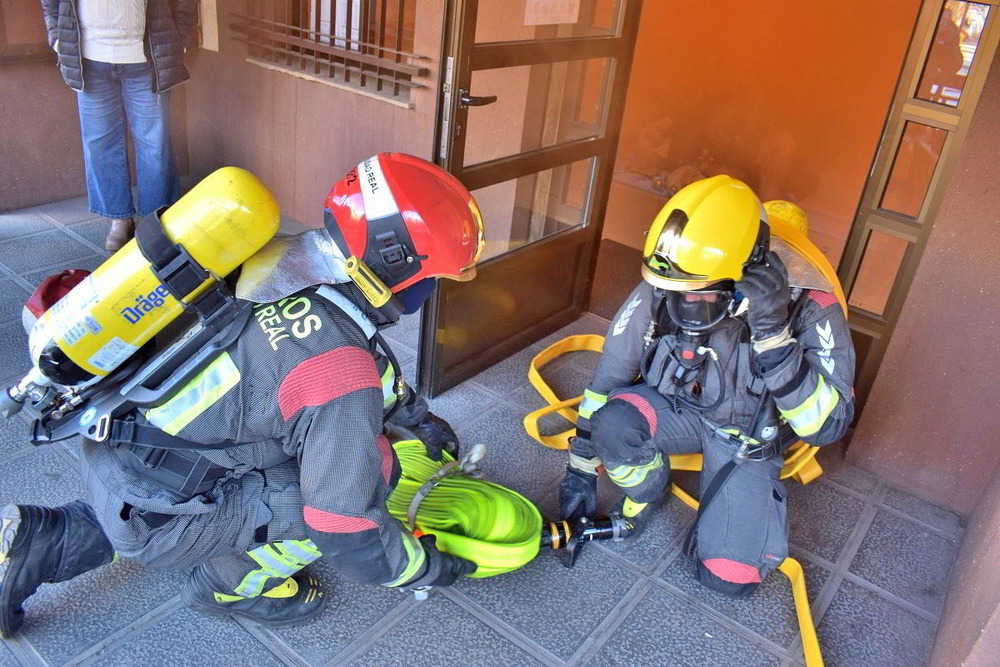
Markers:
101,322
789,213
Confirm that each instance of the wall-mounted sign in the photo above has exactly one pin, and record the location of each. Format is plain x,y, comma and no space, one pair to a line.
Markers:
548,12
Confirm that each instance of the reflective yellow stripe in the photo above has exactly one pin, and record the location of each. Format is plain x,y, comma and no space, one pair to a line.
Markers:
388,393
629,476
740,436
591,402
289,588
197,396
416,556
630,508
281,559
809,417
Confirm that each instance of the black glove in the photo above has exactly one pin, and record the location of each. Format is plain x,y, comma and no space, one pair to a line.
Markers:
441,569
766,286
437,436
577,495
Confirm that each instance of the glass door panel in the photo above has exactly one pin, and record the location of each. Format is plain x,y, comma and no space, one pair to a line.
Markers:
956,40
883,256
537,106
512,20
912,170
527,209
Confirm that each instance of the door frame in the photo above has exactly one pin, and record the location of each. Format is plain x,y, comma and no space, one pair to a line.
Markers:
576,245
872,331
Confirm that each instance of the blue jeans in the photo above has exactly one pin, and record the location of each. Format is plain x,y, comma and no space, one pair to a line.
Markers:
111,94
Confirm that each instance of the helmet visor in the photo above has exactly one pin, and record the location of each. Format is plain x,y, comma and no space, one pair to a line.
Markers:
468,272
698,310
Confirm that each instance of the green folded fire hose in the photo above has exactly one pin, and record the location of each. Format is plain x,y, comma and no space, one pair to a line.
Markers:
494,527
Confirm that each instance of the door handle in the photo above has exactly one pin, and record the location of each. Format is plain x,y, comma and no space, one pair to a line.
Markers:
466,100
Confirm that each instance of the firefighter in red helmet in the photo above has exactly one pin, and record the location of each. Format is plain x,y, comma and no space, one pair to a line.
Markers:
297,465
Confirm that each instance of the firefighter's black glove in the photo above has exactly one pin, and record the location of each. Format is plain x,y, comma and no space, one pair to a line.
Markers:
441,569
437,436
577,495
766,286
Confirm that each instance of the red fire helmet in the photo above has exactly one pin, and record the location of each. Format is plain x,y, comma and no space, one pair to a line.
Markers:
406,219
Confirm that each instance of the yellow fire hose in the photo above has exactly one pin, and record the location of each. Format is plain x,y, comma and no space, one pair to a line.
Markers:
493,526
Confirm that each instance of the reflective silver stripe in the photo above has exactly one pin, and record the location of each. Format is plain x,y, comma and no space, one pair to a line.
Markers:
415,556
592,401
196,396
809,417
628,476
588,466
348,308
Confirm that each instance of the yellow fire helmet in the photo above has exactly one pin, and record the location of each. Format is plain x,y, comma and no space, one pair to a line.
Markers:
705,234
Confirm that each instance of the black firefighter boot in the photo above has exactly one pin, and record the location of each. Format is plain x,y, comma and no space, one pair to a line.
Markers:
45,545
297,599
637,515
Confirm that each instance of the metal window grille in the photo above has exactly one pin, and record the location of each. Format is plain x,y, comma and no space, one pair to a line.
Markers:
361,44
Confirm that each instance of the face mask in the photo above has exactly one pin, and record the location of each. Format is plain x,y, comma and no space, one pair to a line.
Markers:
697,310
413,297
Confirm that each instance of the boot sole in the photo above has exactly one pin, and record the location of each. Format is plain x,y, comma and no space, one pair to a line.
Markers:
10,522
206,608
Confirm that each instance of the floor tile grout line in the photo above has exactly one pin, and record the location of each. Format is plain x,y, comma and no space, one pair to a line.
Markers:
45,267
811,557
842,488
892,597
22,453
951,537
847,554
363,642
674,551
29,235
611,554
601,634
116,638
469,422
498,625
67,456
24,651
731,624
77,237
271,641
91,217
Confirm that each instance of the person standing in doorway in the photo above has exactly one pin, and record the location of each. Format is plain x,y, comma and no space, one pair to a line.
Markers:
121,57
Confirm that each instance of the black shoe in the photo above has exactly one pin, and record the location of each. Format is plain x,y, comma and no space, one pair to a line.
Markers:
299,599
44,544
636,515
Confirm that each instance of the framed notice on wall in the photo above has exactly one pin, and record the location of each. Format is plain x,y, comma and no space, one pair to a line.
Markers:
22,33
549,12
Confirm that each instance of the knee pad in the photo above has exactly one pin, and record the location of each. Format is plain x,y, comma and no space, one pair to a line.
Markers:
619,429
728,577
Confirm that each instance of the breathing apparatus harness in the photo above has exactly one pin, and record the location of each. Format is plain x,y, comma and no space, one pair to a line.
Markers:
747,448
104,411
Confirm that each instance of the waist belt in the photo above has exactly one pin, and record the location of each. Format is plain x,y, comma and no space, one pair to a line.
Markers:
183,471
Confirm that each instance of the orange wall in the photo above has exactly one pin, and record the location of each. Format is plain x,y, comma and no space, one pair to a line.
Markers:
790,97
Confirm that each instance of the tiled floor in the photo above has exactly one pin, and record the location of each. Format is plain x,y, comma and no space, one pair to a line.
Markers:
877,560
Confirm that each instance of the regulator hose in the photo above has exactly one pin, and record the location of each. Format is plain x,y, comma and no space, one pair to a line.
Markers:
491,525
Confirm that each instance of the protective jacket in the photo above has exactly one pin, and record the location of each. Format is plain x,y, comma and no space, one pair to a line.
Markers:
168,30
810,390
303,384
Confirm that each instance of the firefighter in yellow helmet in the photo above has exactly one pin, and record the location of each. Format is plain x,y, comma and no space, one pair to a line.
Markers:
713,353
